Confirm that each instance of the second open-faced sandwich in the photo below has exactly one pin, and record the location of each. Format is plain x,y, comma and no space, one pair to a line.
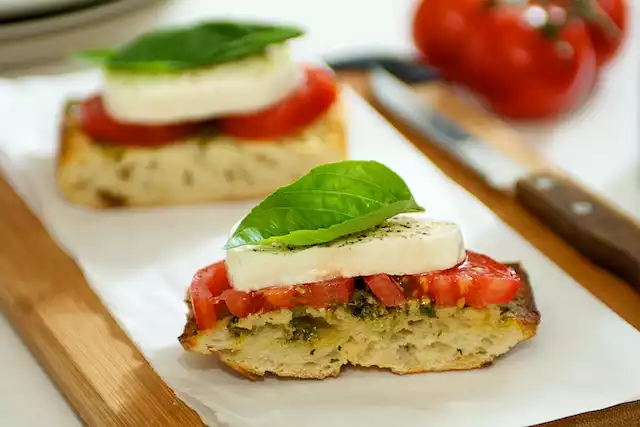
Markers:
215,111
341,267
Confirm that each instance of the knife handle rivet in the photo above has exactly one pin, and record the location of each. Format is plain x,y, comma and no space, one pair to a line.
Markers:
581,208
543,183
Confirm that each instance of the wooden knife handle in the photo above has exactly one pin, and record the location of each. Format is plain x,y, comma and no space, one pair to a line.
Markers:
604,235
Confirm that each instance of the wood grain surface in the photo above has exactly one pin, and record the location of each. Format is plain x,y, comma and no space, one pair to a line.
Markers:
72,334
105,377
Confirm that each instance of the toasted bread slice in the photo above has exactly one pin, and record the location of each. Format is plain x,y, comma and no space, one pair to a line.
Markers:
206,168
312,343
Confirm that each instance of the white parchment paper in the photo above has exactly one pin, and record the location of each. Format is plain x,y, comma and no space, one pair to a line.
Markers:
140,263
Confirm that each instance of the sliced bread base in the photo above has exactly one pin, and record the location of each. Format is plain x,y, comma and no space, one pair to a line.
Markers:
202,169
312,343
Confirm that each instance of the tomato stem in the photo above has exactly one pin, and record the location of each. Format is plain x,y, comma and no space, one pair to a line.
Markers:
494,3
551,31
490,4
590,10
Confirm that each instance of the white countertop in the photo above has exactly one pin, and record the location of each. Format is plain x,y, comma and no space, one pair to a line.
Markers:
609,138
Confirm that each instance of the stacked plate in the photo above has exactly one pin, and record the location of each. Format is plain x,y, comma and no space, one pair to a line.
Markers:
20,9
35,30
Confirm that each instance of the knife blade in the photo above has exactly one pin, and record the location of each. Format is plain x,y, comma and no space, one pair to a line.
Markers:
607,237
409,70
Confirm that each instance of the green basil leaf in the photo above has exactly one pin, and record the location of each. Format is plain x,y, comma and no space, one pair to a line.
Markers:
99,55
200,46
331,201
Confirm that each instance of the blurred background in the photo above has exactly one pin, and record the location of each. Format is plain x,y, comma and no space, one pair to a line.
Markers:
38,36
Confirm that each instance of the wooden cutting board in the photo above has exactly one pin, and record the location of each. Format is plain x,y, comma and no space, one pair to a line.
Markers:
107,380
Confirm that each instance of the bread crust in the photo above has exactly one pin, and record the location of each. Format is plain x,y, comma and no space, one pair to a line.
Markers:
522,310
101,176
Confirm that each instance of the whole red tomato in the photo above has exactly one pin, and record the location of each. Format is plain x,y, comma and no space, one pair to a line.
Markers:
607,36
526,69
529,59
441,28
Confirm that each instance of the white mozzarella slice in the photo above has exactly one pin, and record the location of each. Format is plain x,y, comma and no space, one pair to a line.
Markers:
405,244
236,87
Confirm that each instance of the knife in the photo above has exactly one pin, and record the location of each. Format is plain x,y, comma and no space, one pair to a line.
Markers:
409,70
601,233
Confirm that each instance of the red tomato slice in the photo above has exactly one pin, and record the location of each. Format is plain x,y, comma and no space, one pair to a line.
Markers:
290,115
329,292
319,295
479,279
444,289
491,290
215,277
386,289
99,125
479,263
242,304
281,297
203,305
493,283
207,284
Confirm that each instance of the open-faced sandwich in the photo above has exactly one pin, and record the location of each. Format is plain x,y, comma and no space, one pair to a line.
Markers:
340,268
211,112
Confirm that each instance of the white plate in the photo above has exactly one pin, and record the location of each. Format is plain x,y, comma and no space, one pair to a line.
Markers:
57,22
17,9
53,40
